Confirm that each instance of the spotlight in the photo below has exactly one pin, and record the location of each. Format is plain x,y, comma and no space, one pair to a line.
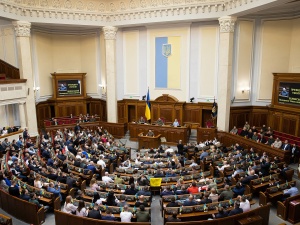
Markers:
144,97
192,99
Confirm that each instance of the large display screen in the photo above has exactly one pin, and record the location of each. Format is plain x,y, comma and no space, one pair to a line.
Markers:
289,93
69,87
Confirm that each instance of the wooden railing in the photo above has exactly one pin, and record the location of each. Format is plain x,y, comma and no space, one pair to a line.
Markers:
10,71
65,218
260,215
21,209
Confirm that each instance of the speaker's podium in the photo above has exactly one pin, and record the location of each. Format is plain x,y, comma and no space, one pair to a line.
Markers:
149,142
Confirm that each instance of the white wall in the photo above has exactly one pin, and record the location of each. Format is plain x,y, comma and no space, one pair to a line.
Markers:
8,51
66,53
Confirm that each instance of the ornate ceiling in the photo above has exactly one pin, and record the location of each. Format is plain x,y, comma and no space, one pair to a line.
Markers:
125,12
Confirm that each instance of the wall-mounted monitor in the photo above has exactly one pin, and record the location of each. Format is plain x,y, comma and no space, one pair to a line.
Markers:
69,87
289,93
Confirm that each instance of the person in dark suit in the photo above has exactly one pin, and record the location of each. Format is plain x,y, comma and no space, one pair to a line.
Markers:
286,146
221,213
265,166
205,199
131,190
109,215
173,203
173,218
94,213
248,179
167,191
25,195
14,189
295,153
236,210
180,147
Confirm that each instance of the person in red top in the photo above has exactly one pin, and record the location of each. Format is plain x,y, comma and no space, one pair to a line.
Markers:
193,188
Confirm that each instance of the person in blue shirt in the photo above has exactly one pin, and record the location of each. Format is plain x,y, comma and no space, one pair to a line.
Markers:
292,191
190,201
55,190
91,167
167,191
19,143
284,93
108,216
176,123
203,154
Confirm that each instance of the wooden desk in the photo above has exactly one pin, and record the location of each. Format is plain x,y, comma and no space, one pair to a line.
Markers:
294,209
172,134
253,220
149,142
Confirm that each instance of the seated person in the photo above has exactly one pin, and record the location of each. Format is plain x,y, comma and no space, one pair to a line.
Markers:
159,122
109,215
221,213
284,93
227,194
190,201
234,130
150,133
173,218
142,120
173,203
131,190
176,123
205,199
167,191
292,191
141,201
236,210
277,143
193,188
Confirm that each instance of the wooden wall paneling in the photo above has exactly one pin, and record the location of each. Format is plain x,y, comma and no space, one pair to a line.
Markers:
204,134
141,107
154,113
206,115
258,116
166,112
121,112
275,121
238,116
290,124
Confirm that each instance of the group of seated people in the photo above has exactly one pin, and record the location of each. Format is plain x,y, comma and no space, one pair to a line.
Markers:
90,150
159,122
8,130
80,119
260,136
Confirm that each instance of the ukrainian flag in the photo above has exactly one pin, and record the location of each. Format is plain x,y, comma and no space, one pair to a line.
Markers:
148,107
167,62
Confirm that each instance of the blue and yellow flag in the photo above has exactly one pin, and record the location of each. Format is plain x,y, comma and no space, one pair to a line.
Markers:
148,107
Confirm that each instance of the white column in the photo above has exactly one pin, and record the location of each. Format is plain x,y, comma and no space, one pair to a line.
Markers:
22,30
22,115
111,80
225,71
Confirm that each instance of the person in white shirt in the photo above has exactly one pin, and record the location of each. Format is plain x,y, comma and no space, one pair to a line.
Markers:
244,203
68,206
101,162
225,164
169,149
106,178
81,210
201,145
175,123
193,164
125,215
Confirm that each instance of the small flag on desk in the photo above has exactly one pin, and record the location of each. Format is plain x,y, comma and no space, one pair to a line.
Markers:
214,110
148,107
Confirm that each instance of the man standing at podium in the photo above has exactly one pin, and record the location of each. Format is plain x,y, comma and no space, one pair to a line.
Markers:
150,133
